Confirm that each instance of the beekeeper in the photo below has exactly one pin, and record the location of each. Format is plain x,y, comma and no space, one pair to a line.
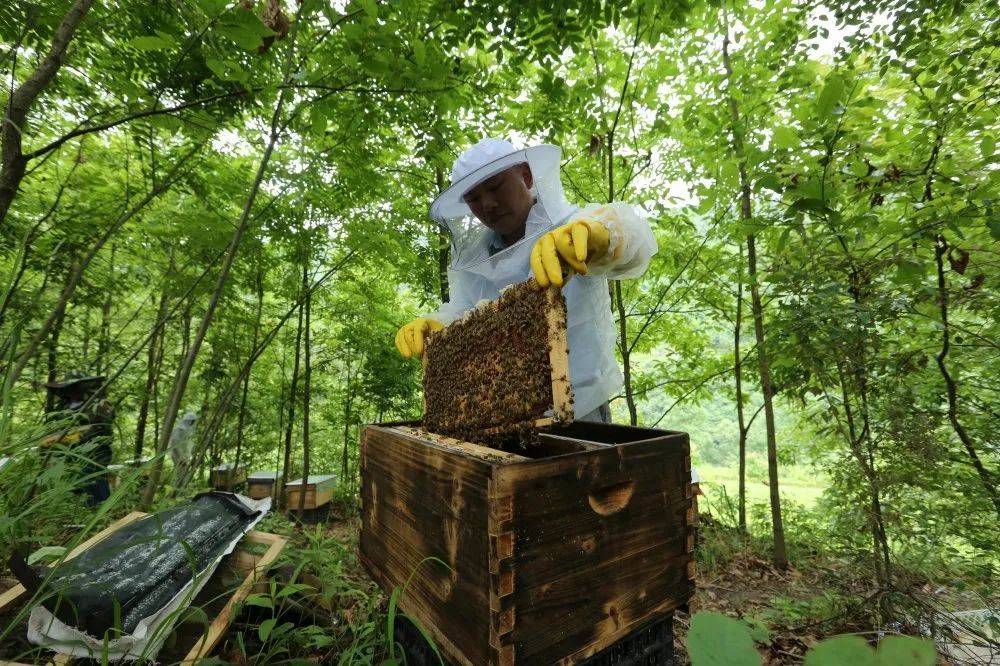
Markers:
508,219
181,441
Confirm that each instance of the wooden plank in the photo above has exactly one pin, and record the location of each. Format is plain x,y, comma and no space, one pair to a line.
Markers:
600,546
207,643
316,480
421,500
484,453
562,386
554,445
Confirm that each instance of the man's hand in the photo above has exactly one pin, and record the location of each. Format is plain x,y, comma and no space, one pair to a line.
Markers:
410,338
573,246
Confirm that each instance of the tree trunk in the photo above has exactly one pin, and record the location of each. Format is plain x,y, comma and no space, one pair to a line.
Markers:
104,335
307,380
989,485
757,307
780,555
444,243
186,330
290,424
347,422
619,302
14,163
241,419
740,416
152,367
866,462
156,390
53,355
633,416
180,383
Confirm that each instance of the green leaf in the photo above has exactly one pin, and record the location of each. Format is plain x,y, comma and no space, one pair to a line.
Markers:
987,147
419,53
718,640
390,619
730,174
196,614
150,43
265,628
262,600
213,7
783,240
809,205
994,225
859,168
842,650
292,588
371,9
244,28
226,70
785,137
909,272
830,95
44,552
317,126
906,651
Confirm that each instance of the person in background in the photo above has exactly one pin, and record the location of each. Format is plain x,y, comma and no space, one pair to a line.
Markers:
78,404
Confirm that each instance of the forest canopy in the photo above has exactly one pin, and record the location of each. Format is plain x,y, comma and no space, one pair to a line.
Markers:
221,207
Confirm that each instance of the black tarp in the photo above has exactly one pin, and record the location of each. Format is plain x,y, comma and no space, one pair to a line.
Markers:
138,569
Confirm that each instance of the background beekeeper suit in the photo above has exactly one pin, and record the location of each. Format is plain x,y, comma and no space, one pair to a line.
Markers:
181,439
483,212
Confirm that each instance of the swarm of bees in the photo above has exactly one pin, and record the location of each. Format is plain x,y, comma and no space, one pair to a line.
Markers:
489,376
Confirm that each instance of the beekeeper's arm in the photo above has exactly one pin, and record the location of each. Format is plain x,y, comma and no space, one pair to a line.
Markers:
613,240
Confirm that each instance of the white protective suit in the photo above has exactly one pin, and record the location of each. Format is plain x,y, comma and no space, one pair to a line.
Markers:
474,275
181,438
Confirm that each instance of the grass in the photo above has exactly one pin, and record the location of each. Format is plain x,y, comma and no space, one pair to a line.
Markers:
797,486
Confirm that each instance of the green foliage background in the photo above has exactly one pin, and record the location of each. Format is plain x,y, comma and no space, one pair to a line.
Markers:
872,167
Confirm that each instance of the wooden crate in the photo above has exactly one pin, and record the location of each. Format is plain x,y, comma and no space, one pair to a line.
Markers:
319,491
127,468
226,476
549,558
264,484
254,553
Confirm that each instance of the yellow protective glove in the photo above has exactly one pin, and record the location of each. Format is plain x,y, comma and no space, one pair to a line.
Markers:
572,245
410,338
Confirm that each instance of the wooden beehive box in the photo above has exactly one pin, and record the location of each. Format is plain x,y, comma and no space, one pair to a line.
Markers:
319,491
226,476
551,543
550,558
231,582
264,484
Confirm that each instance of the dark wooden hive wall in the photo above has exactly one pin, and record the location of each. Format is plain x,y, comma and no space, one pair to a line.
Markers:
420,501
599,543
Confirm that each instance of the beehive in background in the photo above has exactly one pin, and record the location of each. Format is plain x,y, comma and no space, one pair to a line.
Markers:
502,367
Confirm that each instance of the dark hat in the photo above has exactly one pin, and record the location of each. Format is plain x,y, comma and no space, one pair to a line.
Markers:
75,379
